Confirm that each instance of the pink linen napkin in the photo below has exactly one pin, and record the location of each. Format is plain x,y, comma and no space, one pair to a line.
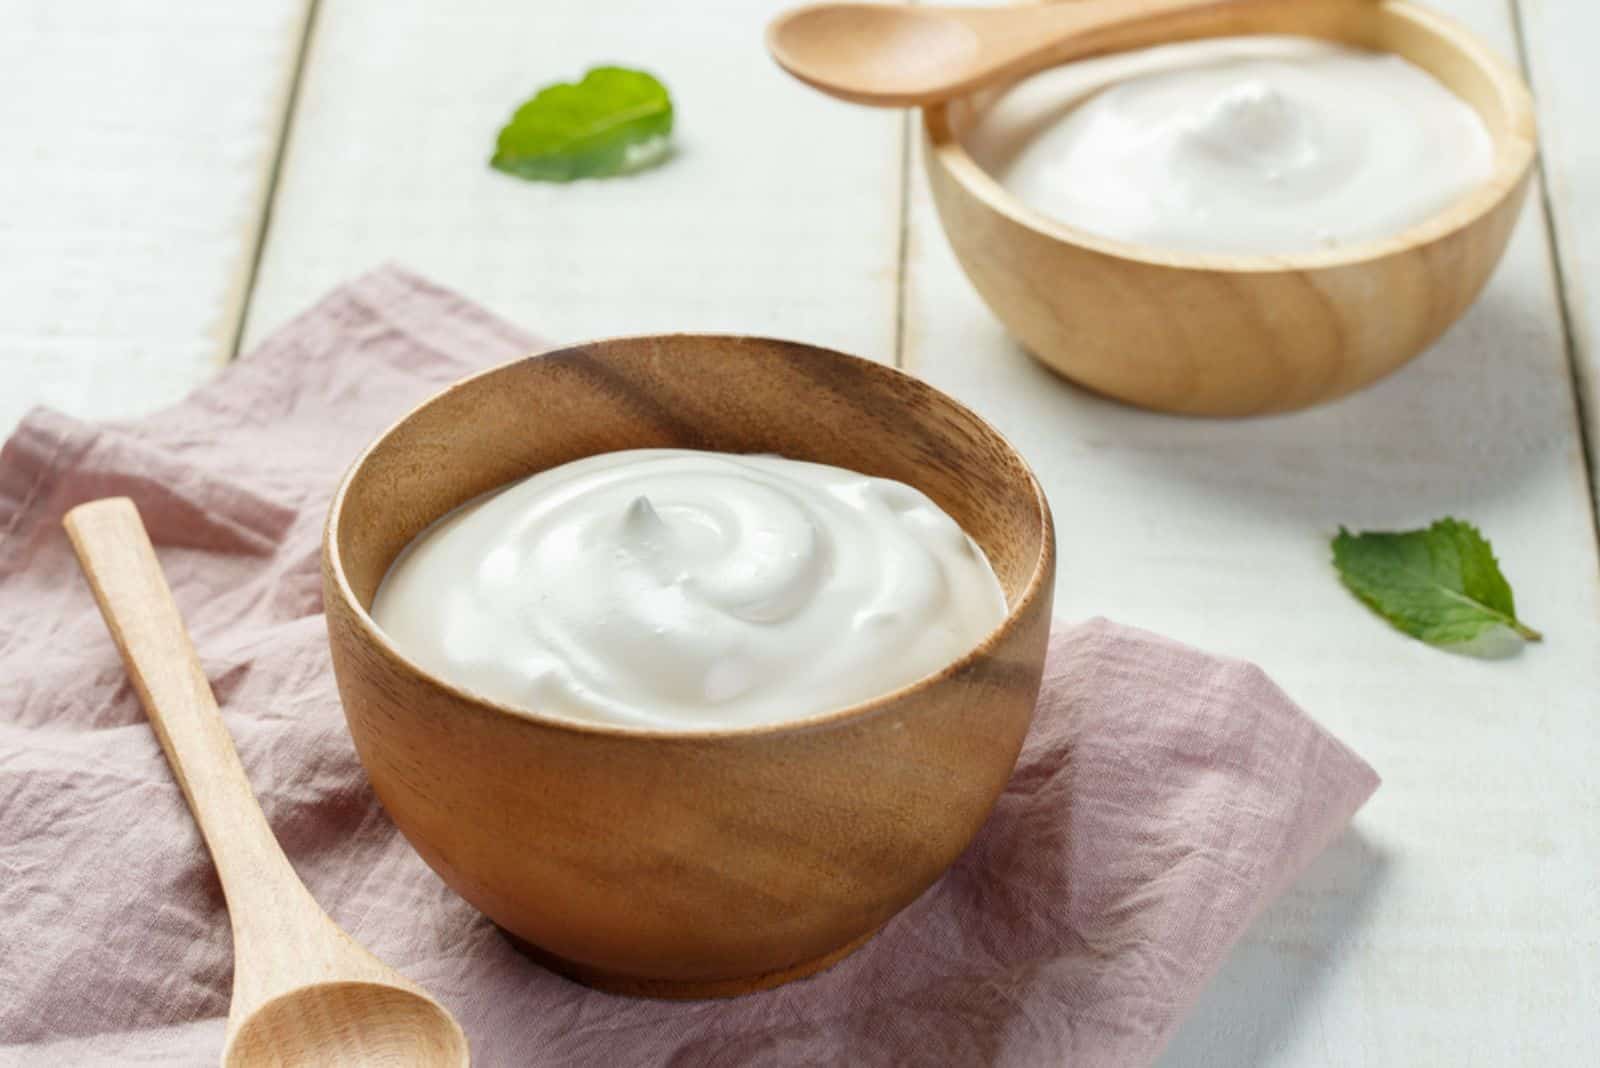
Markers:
1163,797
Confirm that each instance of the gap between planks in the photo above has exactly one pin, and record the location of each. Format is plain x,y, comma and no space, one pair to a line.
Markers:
902,254
1569,339
274,173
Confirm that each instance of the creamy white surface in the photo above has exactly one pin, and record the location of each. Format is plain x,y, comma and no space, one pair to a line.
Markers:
1266,145
690,590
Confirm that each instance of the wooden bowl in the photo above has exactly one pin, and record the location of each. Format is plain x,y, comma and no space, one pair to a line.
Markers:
1237,335
706,863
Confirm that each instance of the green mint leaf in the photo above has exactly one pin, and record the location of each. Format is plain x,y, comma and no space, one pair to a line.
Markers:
612,122
1441,584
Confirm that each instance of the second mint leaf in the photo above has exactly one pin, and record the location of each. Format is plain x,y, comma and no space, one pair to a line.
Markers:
1442,585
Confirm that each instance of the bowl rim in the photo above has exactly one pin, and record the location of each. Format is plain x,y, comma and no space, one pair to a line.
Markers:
1042,571
1514,152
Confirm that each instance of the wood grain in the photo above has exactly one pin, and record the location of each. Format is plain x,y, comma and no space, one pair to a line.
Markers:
139,143
1239,335
695,863
303,992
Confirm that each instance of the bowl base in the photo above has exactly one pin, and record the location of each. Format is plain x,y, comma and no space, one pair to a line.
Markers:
683,989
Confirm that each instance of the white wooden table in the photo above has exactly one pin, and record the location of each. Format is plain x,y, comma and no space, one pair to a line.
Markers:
182,177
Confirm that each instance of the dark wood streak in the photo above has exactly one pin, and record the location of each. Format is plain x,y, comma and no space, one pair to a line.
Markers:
613,381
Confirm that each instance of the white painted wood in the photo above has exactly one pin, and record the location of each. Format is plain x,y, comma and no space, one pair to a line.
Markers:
778,215
1459,921
1559,38
138,140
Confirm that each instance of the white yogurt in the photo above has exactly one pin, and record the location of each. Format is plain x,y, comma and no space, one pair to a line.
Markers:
666,588
1266,145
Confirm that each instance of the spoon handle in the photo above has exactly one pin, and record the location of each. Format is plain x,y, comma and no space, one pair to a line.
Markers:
899,55
1084,28
278,930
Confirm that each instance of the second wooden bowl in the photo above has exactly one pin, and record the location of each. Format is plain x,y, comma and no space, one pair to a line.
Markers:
689,864
1237,335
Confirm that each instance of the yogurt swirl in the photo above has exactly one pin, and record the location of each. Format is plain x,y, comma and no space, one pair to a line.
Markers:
674,589
1257,145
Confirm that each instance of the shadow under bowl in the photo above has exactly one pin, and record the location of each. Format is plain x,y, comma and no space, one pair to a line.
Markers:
1230,335
689,864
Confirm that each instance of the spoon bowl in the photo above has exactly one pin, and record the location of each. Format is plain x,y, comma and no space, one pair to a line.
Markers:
875,54
346,1024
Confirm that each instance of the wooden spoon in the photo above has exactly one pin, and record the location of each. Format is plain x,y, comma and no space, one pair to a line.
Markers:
304,993
901,56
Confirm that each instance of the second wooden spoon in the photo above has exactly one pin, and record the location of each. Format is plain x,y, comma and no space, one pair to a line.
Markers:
902,56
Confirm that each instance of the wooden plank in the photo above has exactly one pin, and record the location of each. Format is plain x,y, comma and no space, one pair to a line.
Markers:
1558,38
1458,921
139,141
779,213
